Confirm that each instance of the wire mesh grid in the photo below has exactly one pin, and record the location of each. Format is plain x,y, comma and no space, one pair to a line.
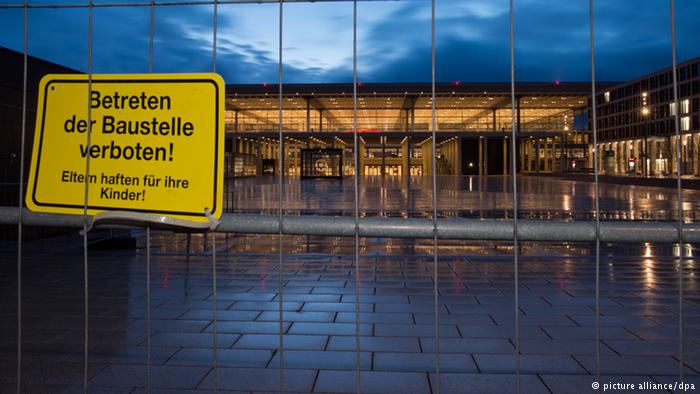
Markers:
355,223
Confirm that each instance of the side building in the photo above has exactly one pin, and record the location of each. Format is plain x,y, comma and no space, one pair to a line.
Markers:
636,124
11,104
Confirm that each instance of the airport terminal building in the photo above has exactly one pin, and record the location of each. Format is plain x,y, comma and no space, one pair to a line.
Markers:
473,127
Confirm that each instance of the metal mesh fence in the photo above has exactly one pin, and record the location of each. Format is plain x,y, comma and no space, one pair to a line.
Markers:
512,230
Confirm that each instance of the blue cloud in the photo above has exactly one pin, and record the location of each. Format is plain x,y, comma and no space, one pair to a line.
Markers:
552,42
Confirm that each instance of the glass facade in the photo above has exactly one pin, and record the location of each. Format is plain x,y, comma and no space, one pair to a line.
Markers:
394,123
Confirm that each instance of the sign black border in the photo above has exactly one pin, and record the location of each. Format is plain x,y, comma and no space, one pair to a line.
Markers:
145,80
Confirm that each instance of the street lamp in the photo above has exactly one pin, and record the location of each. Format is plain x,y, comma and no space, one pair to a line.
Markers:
647,161
645,116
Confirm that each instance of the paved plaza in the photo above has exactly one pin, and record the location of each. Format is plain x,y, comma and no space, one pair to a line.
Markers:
472,197
639,322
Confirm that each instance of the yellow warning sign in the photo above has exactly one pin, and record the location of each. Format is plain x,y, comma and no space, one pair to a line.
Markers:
156,145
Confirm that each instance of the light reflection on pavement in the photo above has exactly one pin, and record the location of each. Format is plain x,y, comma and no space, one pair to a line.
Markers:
474,197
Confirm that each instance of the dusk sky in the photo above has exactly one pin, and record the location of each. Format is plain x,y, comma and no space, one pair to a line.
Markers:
633,38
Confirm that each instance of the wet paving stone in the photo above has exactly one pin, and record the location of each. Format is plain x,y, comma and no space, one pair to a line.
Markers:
635,365
203,340
639,308
259,380
292,342
329,359
297,316
372,382
487,383
166,377
224,357
423,362
468,345
375,344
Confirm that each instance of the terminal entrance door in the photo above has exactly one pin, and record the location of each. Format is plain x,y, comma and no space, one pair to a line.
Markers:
470,156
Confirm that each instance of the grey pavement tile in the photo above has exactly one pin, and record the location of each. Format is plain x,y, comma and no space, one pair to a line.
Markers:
310,297
105,337
194,304
221,314
635,310
169,294
652,333
188,339
38,351
375,344
327,359
372,382
383,299
633,365
301,328
567,300
484,383
671,320
139,325
335,307
450,300
692,360
654,302
312,283
369,317
50,373
469,345
493,331
454,318
529,364
226,294
64,389
588,333
288,289
617,321
506,319
408,308
467,309
167,377
507,300
569,310
265,306
224,357
248,327
115,354
259,380
270,341
402,291
141,390
654,347
337,290
97,323
297,316
8,333
414,330
423,362
563,347
156,312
